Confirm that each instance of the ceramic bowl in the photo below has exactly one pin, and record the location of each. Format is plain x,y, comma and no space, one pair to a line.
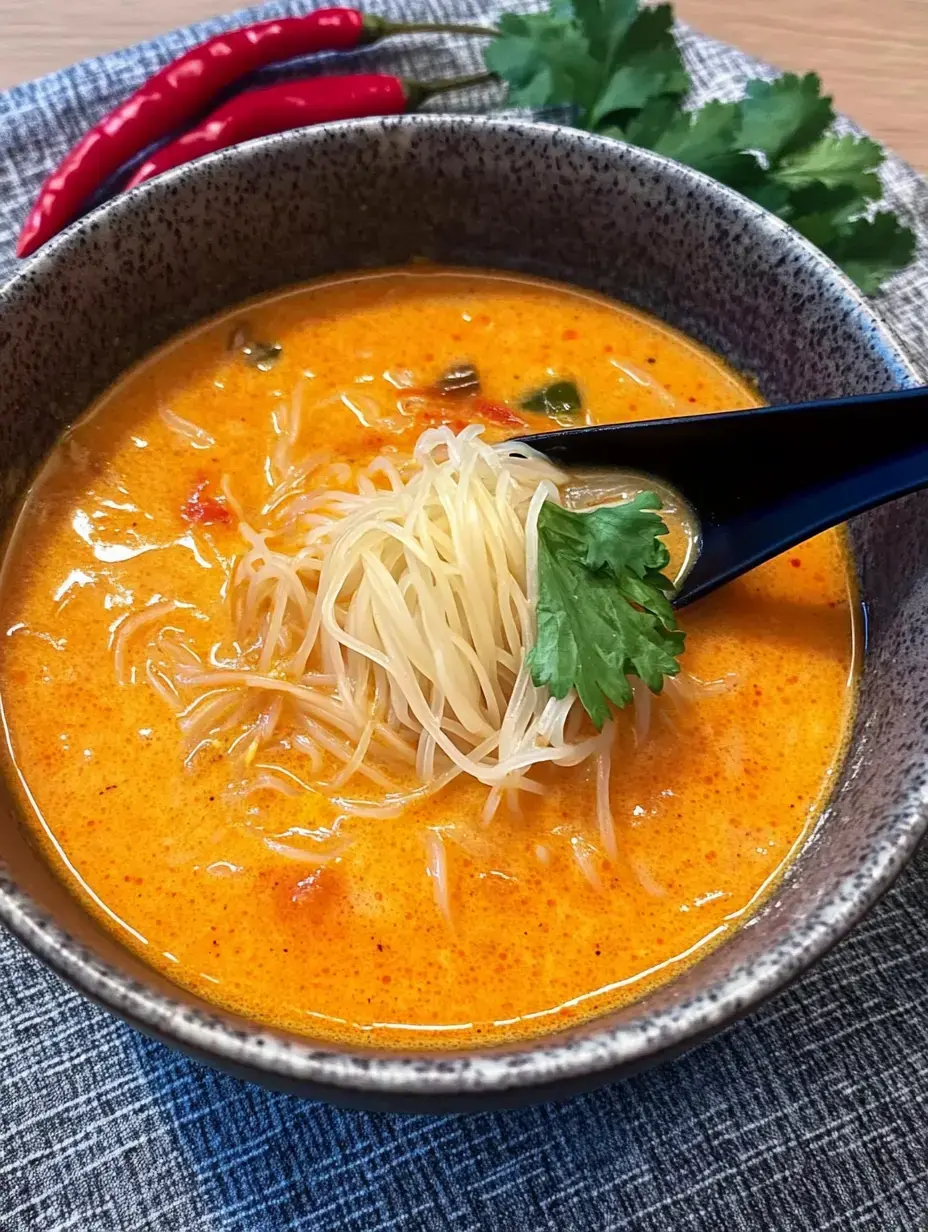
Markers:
545,200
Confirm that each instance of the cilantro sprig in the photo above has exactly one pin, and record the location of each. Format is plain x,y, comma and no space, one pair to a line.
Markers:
603,612
618,69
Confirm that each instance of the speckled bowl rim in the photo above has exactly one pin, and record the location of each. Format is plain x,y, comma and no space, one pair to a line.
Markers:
582,1051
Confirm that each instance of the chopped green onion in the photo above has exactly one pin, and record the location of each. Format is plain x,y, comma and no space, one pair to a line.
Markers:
560,398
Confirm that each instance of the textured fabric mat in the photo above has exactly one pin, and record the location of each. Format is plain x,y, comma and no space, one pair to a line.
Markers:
810,1115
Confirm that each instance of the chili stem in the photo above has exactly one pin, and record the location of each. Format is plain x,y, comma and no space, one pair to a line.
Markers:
380,27
418,91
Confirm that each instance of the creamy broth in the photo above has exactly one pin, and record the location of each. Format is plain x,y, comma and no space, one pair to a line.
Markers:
216,887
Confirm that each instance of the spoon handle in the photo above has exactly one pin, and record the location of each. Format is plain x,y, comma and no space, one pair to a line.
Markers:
763,480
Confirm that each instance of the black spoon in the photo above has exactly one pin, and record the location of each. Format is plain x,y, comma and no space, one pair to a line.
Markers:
764,480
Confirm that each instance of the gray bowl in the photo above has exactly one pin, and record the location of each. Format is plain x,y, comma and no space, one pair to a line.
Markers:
521,196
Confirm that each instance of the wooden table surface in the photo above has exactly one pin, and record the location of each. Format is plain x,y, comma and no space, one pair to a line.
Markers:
871,55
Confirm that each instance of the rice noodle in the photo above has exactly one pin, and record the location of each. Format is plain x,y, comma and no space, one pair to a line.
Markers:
131,625
225,487
646,878
642,695
162,686
437,868
686,687
584,854
194,435
603,808
299,854
380,634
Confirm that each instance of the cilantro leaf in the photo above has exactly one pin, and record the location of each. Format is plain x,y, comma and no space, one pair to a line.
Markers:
764,191
702,139
779,117
871,250
625,538
617,66
835,162
601,57
699,137
647,126
839,204
545,60
645,65
821,214
603,612
605,23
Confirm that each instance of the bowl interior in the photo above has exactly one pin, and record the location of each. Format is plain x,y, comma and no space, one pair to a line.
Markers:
509,196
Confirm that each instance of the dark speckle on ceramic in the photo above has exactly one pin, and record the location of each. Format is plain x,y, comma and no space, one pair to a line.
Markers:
549,201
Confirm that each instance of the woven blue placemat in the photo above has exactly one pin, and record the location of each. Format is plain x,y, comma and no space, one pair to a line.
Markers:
810,1115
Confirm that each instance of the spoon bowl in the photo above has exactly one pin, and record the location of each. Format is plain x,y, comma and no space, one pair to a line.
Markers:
761,481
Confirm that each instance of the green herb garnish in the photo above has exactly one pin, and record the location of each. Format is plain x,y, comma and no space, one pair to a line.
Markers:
460,378
261,355
560,398
603,612
618,68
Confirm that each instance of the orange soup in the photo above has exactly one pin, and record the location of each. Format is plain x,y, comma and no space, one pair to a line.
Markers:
212,796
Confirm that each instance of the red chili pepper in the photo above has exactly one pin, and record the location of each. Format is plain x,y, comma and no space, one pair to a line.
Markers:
456,412
498,413
440,419
291,104
203,509
183,90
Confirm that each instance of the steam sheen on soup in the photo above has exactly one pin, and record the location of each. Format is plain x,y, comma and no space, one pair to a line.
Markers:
266,610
